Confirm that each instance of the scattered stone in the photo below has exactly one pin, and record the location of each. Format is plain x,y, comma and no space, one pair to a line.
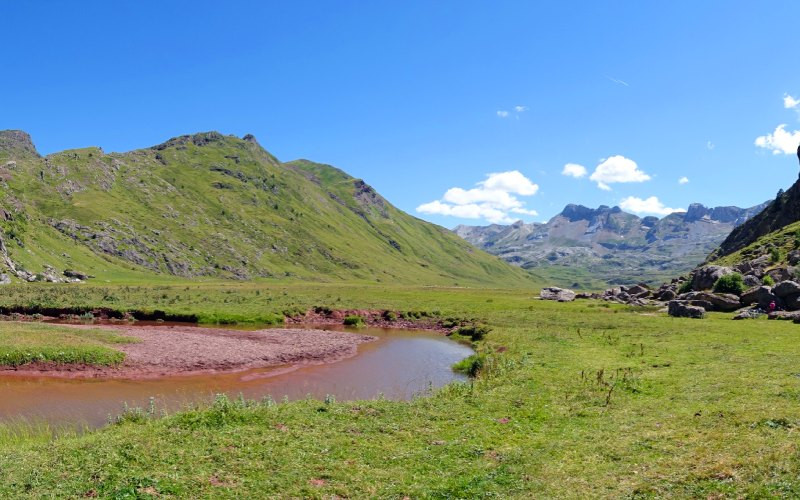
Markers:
780,274
667,295
753,313
5,279
680,309
71,273
559,294
751,280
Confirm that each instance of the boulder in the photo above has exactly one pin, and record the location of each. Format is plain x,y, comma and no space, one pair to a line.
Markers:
784,315
750,296
786,288
724,302
559,294
792,302
765,297
637,290
586,296
680,309
667,295
71,273
5,279
751,280
705,277
794,257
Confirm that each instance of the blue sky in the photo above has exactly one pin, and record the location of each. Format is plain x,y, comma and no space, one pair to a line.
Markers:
419,98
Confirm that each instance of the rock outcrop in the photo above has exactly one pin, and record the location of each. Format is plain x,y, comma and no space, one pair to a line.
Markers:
558,294
680,309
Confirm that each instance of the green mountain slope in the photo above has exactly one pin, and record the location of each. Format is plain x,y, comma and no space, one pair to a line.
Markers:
209,205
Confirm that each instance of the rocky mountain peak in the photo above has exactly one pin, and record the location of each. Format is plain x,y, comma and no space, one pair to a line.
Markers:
17,141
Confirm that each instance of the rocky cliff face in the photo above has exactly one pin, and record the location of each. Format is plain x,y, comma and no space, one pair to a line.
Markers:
584,246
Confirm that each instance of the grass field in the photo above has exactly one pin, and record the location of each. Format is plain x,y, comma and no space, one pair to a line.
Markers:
23,343
573,400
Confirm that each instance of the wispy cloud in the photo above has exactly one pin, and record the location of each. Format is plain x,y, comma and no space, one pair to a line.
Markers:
494,199
683,180
520,109
710,145
650,205
503,113
618,81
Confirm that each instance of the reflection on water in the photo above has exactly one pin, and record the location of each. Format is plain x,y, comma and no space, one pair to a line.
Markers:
399,365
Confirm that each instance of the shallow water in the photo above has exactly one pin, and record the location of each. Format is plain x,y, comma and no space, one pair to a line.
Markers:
399,365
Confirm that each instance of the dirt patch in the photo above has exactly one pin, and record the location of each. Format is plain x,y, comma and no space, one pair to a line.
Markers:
175,350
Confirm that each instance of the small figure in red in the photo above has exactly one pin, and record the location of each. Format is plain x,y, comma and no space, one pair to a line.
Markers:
772,306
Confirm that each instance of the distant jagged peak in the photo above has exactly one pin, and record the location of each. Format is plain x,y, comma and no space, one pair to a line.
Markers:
198,139
17,141
575,212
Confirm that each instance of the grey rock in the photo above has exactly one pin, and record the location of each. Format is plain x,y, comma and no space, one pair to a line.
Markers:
786,288
723,302
751,280
780,274
794,257
667,295
71,273
680,309
636,290
784,315
705,277
5,279
750,296
753,313
559,294
792,302
765,297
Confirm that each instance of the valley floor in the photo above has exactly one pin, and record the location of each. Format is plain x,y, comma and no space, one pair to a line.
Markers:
573,400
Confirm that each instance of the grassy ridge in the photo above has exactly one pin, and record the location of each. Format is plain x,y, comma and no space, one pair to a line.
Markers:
215,206
25,343
573,400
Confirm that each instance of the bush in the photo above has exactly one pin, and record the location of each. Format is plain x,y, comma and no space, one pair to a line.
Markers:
470,366
389,316
768,281
774,256
354,320
474,332
730,283
685,287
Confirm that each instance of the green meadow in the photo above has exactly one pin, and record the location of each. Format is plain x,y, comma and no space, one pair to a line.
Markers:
570,400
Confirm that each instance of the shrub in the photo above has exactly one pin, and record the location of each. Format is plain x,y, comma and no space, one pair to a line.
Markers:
354,320
474,332
730,283
389,316
774,256
470,366
685,287
768,280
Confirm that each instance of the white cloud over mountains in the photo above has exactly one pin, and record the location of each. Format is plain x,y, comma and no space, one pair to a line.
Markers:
494,199
650,205
780,141
617,169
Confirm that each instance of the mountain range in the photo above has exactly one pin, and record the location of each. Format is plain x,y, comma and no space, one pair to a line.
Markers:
589,248
214,206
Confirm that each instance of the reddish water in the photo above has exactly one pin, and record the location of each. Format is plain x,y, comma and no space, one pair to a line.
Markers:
399,365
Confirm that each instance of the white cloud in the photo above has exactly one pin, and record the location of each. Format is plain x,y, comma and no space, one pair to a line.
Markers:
683,180
520,109
494,199
651,205
617,169
618,81
780,141
574,170
790,102
502,114
710,145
